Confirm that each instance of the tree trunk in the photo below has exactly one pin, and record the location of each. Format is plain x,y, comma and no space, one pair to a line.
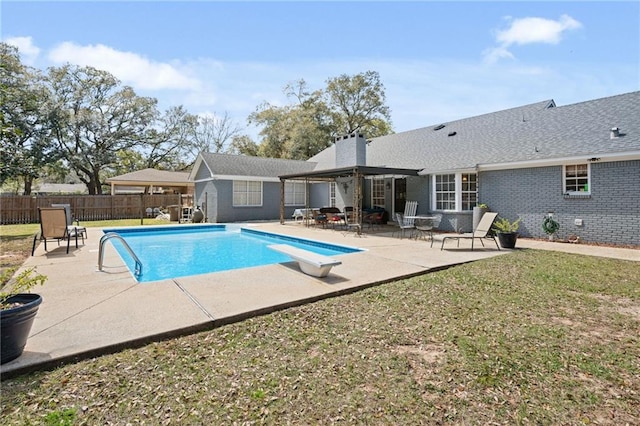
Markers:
28,183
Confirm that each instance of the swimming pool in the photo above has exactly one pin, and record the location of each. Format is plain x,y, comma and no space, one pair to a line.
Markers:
179,251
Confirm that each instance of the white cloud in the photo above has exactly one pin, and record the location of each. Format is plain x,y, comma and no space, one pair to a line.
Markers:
129,67
494,54
28,51
529,30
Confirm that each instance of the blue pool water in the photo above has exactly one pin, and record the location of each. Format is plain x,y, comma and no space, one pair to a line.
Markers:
178,251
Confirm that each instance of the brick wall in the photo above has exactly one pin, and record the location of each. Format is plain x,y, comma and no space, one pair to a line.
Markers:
610,215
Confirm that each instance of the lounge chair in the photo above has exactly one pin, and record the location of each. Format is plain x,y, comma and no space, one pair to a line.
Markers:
53,226
80,230
482,231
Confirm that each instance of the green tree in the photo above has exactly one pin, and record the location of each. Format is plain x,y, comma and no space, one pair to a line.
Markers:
93,118
314,118
128,160
297,131
169,145
243,145
357,104
25,145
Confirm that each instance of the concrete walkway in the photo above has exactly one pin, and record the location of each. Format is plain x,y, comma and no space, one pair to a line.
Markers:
86,313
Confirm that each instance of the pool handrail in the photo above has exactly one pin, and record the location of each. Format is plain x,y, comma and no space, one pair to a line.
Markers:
106,237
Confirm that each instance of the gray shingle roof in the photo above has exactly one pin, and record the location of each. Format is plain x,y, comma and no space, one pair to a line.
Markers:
242,165
539,131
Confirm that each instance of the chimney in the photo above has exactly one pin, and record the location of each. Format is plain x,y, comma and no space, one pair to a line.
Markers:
615,132
351,150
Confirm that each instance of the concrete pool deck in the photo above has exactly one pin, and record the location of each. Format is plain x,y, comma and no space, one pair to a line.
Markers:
87,313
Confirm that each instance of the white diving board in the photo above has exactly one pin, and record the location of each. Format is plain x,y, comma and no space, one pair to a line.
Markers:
309,262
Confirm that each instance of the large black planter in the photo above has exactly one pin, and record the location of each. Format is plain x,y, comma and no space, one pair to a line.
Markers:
198,216
507,239
15,324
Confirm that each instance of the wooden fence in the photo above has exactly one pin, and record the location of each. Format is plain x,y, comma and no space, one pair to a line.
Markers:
24,209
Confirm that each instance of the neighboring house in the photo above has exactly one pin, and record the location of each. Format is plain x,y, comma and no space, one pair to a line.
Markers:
59,188
581,162
152,181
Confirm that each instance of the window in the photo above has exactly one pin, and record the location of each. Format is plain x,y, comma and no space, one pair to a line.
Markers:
377,192
445,192
469,191
455,192
247,193
332,194
576,179
294,193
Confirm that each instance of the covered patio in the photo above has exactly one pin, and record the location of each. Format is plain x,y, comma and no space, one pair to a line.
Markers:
356,174
152,181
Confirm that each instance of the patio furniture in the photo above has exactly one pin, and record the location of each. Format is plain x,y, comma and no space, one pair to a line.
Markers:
53,227
319,218
410,209
350,224
373,219
425,225
333,214
482,231
187,213
302,214
405,225
81,230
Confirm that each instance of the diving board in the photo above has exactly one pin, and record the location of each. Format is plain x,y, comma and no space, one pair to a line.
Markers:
309,262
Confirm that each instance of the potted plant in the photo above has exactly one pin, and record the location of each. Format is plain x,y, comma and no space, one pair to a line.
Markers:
478,212
18,308
507,231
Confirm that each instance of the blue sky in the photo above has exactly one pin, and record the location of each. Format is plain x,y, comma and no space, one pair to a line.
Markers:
438,61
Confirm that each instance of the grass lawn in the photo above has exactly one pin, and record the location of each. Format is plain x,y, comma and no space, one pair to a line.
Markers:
528,338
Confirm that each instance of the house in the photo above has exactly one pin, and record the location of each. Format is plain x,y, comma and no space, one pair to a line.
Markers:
577,162
231,188
59,189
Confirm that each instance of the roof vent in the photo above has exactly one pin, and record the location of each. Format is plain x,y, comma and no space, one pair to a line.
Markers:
452,133
615,132
438,127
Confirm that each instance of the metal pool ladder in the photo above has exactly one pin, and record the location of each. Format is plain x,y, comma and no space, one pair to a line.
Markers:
106,237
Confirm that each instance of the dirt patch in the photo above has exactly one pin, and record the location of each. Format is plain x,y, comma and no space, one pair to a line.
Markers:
425,362
621,305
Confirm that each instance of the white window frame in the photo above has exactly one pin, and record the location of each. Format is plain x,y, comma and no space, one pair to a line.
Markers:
565,178
332,194
457,194
435,192
463,191
243,193
295,193
378,195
